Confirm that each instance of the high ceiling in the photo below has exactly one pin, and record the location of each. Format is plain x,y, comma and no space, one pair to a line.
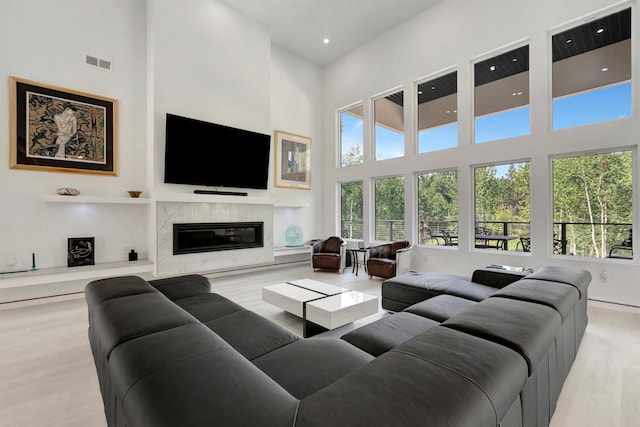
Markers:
300,26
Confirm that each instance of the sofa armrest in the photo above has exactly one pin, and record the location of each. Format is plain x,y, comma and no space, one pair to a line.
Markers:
495,277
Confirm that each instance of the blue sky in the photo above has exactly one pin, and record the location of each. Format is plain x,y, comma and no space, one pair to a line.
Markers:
609,103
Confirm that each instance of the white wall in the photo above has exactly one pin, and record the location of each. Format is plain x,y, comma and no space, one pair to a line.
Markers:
296,107
47,42
449,36
197,58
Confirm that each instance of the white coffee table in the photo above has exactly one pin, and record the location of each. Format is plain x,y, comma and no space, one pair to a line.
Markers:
320,305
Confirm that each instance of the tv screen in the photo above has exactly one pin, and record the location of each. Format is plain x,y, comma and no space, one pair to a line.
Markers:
210,154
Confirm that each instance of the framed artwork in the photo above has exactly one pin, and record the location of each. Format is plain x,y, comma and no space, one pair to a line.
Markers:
80,251
293,161
63,130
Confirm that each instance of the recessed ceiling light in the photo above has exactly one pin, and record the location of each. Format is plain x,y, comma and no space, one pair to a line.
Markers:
519,93
569,40
433,88
326,40
492,68
605,69
448,111
600,30
513,94
514,59
419,92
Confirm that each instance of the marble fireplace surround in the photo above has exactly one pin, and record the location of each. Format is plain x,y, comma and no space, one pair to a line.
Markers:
169,213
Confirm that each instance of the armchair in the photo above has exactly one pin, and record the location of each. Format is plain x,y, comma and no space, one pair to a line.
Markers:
329,254
382,260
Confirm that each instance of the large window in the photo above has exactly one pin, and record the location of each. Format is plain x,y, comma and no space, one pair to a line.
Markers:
389,208
501,96
351,223
592,204
438,113
389,126
592,72
437,205
351,136
502,207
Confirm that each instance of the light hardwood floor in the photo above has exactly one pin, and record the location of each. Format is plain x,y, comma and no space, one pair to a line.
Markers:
47,375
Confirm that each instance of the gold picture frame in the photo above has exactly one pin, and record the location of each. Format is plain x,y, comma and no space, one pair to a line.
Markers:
62,130
292,161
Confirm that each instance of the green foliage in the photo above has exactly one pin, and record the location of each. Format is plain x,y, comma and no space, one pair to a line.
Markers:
351,205
438,199
389,208
592,191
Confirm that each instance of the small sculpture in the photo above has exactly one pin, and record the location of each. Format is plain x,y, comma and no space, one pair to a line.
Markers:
68,191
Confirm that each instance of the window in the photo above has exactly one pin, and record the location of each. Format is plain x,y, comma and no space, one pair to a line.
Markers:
502,206
592,204
438,113
501,96
389,126
599,52
389,208
437,205
351,222
351,136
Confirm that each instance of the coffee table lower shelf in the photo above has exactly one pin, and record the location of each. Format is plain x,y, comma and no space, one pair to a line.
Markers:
321,306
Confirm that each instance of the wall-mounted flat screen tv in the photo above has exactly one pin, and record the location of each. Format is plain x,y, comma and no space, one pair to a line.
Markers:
214,155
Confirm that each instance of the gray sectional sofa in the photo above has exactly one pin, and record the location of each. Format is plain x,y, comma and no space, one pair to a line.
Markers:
170,353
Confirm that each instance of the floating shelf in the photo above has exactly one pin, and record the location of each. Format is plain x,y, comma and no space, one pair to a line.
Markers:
63,274
98,199
292,204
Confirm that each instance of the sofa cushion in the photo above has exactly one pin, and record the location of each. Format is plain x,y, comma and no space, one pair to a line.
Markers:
207,307
118,320
135,359
251,334
216,388
182,286
403,387
101,290
496,277
525,327
306,366
440,308
386,333
500,372
411,288
559,296
578,278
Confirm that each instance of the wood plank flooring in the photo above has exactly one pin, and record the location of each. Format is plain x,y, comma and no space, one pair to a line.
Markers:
47,375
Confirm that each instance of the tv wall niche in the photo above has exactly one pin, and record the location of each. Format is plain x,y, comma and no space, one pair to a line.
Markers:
198,152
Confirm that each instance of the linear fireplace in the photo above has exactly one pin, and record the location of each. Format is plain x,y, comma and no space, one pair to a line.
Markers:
191,238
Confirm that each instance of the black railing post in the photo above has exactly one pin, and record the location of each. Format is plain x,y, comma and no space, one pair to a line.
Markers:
505,228
563,237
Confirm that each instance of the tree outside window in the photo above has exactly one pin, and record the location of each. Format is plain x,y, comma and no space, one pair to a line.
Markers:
502,202
351,223
351,136
437,204
592,203
389,208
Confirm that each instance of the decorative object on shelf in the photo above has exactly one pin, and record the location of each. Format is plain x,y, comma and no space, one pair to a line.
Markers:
80,251
33,262
62,130
67,191
293,236
134,194
133,255
293,161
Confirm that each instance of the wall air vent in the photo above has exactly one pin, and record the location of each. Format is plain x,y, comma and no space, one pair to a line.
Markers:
96,62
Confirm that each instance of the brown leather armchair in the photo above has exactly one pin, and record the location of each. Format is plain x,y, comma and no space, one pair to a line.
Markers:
382,260
329,254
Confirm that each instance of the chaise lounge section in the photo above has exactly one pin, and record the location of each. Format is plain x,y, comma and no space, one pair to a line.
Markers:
169,352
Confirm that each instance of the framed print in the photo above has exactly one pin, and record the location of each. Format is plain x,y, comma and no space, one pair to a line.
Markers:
57,129
293,161
80,251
